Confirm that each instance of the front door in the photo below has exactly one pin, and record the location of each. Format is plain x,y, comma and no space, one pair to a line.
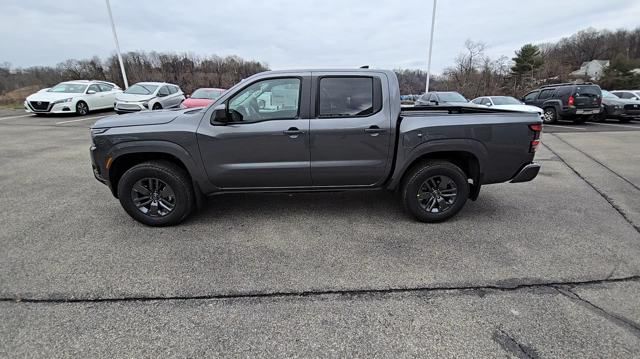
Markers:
350,140
265,144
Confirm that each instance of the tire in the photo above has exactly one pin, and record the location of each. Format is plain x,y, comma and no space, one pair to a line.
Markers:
624,119
442,175
550,115
82,108
154,177
156,106
602,116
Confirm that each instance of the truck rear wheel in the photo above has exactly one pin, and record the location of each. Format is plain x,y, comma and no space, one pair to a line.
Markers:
156,193
435,191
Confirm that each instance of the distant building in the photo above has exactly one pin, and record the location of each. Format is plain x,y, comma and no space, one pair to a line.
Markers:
591,70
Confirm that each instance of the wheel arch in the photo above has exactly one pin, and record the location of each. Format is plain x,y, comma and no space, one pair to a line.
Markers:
130,154
470,156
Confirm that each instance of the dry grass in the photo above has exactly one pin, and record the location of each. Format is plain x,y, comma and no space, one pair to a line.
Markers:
15,98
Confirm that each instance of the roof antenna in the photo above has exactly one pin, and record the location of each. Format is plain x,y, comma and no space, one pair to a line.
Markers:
364,67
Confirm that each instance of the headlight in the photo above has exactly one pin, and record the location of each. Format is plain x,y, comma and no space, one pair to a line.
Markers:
617,107
63,100
145,104
97,131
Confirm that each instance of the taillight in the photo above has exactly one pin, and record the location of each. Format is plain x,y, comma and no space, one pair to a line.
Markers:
537,131
534,146
571,100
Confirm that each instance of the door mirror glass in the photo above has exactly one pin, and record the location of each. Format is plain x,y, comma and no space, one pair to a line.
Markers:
219,116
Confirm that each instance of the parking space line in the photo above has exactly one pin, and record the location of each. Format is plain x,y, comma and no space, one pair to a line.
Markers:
80,119
618,125
10,117
567,127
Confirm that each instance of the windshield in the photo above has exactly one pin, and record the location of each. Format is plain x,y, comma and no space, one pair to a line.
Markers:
208,94
505,100
68,88
140,89
607,94
451,97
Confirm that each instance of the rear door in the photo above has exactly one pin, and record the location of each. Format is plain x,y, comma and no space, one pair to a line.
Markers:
543,96
587,97
350,141
108,95
265,146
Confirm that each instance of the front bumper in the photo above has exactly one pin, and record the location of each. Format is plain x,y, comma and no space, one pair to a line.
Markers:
122,107
97,171
65,107
526,173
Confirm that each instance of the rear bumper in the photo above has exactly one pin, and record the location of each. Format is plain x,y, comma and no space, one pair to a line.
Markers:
587,111
526,173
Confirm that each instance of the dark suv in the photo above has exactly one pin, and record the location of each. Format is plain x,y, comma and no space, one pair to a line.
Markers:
568,101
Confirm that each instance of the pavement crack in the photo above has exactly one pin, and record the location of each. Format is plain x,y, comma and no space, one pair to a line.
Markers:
602,194
317,293
511,345
626,323
597,161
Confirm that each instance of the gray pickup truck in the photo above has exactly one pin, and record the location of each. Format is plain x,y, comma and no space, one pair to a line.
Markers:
313,130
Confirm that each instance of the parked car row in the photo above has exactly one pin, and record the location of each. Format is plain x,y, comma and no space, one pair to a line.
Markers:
452,98
565,101
82,96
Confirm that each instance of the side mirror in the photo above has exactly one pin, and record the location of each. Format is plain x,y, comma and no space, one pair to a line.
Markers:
434,102
262,104
219,116
489,104
162,94
91,92
188,95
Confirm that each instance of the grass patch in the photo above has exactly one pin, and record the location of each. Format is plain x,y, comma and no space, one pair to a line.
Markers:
12,106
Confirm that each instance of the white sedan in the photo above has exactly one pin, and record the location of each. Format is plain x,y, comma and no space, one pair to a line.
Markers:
78,97
507,103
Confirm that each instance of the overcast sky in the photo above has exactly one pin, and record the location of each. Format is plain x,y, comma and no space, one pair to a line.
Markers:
297,33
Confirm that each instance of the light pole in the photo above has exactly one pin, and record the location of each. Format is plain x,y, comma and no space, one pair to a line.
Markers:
115,37
433,24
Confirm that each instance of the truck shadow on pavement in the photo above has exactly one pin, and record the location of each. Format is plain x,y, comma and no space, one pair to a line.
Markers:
368,206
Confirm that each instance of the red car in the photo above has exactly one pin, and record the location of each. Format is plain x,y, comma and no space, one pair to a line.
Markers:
202,97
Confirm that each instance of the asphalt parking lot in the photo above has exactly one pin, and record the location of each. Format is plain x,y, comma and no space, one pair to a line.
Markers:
549,268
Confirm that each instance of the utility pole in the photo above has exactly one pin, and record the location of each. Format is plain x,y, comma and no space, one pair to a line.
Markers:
433,24
115,37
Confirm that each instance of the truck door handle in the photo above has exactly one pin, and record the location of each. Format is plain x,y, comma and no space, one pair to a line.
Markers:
373,130
293,132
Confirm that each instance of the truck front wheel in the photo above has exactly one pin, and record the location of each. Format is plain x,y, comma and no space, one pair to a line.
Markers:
156,193
435,191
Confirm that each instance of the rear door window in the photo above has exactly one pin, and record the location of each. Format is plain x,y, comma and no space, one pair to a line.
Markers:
545,94
346,97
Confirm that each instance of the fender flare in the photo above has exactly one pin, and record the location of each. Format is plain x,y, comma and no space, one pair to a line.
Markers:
164,147
472,147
